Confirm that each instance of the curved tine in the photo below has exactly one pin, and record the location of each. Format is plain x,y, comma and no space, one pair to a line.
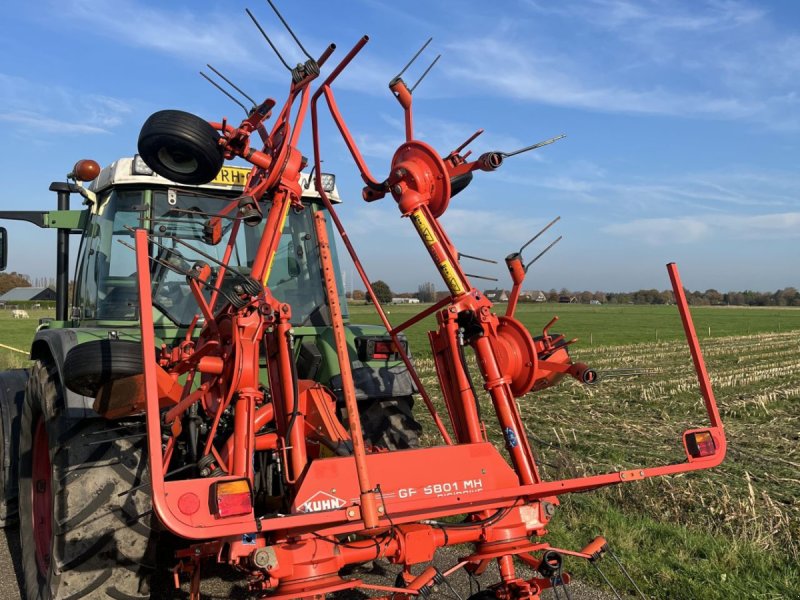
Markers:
224,91
486,260
542,253
289,29
533,146
428,70
266,37
534,238
233,85
413,58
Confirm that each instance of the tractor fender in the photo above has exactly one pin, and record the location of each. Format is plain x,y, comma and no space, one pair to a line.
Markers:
12,394
53,345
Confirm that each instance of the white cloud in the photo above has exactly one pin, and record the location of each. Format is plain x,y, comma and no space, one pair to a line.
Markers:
537,79
39,122
48,108
183,33
703,228
719,60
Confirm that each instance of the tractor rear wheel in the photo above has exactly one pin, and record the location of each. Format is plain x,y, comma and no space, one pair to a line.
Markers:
389,423
85,524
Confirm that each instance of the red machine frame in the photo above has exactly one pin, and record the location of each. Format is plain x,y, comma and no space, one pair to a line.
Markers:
390,501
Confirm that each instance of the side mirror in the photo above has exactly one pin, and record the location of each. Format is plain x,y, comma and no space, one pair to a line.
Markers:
3,248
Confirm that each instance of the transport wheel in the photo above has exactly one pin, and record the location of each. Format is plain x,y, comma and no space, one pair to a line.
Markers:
484,595
181,146
90,365
85,528
389,423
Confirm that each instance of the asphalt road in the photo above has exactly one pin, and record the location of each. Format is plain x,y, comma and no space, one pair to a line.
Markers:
222,584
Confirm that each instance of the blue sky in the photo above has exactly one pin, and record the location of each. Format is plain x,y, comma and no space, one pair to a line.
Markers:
682,122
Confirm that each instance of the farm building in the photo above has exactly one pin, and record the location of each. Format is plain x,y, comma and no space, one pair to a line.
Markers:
496,295
28,294
405,300
536,296
568,299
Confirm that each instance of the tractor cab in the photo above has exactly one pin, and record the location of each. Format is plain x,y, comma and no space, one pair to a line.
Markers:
190,226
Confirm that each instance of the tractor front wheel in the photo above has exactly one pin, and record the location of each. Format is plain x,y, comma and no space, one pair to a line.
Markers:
84,517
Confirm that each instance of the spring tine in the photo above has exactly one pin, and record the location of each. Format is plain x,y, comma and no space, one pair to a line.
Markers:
534,238
435,60
266,37
124,427
481,277
533,146
625,572
289,29
185,273
146,483
603,575
452,589
200,213
224,91
233,85
403,70
542,253
119,437
487,260
206,256
554,587
566,590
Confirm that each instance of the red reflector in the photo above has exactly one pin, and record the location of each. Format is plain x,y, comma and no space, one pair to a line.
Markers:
383,350
233,498
700,443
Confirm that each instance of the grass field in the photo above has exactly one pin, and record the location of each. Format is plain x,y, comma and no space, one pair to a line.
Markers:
733,532
17,334
612,325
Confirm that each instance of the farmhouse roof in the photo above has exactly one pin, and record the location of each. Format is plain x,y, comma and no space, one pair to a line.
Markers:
28,293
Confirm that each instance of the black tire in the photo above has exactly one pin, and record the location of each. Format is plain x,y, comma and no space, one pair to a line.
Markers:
90,365
12,392
484,595
389,423
181,146
101,544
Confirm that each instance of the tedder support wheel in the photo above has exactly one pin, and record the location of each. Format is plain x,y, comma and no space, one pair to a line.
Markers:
85,520
389,423
181,146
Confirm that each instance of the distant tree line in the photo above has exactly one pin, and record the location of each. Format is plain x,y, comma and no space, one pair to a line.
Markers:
784,297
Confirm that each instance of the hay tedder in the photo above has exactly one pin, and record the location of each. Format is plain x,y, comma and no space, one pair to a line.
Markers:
240,449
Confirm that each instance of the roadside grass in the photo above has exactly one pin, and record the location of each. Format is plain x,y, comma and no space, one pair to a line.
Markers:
17,334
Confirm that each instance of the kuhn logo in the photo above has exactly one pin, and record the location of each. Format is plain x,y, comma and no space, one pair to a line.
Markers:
321,501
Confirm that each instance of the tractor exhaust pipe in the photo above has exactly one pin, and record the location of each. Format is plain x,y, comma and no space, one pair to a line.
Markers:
62,254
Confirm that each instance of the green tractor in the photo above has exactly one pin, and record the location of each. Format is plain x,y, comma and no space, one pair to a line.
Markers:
71,469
